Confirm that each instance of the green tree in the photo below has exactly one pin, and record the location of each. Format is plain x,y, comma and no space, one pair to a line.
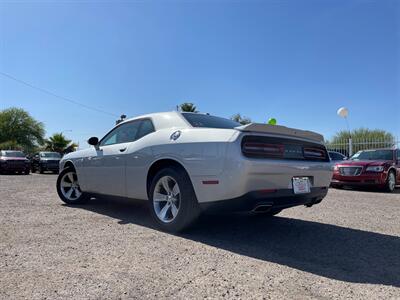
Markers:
59,143
241,119
363,139
188,107
19,130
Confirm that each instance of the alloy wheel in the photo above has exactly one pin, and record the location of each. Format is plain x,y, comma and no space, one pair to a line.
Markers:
166,199
70,186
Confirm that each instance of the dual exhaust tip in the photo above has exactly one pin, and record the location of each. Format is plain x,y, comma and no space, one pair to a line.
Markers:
262,208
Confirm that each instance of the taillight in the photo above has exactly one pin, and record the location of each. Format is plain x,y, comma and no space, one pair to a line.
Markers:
314,153
264,150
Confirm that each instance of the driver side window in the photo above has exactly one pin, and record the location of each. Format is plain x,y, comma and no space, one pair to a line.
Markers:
124,133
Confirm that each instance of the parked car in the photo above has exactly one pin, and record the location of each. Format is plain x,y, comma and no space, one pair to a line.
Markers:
46,161
12,161
185,163
379,168
336,156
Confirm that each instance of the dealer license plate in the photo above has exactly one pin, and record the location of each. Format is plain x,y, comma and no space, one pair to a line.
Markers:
301,185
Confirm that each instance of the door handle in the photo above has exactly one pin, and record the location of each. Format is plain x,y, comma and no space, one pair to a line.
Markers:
122,149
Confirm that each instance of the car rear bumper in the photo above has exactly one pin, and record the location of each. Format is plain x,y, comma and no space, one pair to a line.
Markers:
243,176
268,199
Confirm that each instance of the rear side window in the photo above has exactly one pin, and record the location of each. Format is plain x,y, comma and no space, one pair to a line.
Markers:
199,120
146,128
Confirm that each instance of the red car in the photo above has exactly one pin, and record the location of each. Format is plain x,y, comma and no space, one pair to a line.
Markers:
14,161
379,168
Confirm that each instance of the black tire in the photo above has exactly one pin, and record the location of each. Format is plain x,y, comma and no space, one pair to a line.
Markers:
337,186
189,209
83,198
390,187
27,171
41,171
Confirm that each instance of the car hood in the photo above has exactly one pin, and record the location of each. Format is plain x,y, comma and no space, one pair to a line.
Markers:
364,162
49,158
12,158
79,153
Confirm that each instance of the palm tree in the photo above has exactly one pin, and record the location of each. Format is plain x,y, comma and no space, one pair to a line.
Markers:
242,120
188,107
59,143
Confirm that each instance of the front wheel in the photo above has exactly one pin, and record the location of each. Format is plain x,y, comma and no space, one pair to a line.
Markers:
172,200
68,188
390,182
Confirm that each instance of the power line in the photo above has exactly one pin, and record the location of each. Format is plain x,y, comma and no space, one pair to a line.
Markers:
57,96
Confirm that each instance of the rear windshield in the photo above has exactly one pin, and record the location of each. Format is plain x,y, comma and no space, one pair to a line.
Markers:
199,120
12,154
50,154
373,155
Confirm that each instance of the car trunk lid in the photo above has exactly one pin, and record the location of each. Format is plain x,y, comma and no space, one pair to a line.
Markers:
281,131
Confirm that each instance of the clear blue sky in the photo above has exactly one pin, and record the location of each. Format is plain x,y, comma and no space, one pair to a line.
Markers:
297,61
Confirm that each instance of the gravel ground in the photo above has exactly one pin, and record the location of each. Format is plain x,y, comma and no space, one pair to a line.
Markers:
346,247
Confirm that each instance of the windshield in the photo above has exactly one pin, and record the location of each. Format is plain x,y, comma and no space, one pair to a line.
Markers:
50,154
12,154
373,155
199,120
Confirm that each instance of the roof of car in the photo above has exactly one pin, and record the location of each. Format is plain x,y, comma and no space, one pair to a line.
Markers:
163,119
392,149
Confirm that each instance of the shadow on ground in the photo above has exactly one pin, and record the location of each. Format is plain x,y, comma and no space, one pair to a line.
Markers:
331,251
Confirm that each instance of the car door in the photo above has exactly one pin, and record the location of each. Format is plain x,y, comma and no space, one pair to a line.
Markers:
105,170
139,157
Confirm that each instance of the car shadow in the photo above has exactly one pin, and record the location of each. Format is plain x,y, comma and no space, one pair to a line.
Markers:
326,250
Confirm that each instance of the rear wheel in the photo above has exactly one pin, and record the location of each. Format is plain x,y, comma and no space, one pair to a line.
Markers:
41,171
172,200
68,188
390,182
27,171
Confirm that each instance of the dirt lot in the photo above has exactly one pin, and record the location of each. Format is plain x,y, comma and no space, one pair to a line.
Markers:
346,247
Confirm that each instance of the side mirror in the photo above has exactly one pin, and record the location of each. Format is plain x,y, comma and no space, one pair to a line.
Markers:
93,141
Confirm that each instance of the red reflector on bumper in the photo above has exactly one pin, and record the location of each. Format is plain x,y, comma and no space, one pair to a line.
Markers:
210,182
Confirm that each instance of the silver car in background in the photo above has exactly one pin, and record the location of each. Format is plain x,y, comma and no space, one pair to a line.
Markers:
186,163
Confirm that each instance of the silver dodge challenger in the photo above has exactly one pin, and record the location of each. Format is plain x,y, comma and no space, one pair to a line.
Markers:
186,163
